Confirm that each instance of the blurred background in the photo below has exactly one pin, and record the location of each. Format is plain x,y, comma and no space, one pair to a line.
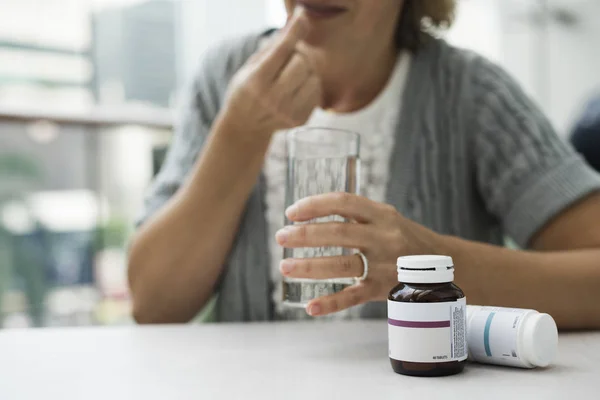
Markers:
88,90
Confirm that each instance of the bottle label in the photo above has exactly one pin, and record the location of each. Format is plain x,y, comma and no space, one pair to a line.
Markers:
427,332
492,336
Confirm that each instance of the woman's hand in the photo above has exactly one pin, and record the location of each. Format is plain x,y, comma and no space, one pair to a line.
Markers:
277,88
377,230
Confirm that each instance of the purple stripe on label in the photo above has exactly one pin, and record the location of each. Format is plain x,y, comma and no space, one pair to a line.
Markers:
419,324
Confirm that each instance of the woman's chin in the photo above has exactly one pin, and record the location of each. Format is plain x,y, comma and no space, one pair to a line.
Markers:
319,37
316,40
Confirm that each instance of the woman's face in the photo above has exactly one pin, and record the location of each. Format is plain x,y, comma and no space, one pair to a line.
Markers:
349,24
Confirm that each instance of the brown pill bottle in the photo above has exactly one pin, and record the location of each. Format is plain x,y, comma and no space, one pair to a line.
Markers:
427,318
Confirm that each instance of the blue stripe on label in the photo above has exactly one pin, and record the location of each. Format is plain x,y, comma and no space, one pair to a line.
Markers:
486,334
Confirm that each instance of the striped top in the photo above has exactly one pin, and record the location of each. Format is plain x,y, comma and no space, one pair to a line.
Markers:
473,157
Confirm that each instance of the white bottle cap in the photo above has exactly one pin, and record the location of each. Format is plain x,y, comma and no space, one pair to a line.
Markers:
540,340
425,269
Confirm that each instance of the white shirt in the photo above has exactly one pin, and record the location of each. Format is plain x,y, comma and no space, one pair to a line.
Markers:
376,125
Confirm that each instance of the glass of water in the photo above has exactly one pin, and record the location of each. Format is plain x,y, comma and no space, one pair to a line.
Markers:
319,160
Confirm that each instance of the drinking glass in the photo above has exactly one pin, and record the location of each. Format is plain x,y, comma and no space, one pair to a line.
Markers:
319,160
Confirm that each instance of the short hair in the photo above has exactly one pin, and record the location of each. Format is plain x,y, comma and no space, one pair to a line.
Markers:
419,18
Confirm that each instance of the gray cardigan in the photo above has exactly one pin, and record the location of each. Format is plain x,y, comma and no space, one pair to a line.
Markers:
473,157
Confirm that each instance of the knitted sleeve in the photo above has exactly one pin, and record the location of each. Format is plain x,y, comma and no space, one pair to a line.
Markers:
525,173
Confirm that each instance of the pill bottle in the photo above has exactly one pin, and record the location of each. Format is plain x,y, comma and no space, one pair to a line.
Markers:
427,318
511,336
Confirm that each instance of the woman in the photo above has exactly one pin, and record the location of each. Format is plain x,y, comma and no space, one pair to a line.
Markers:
468,160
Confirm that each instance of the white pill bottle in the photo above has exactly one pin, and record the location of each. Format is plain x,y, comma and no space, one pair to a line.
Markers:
511,336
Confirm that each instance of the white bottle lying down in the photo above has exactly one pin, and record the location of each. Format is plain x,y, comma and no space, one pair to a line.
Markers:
511,336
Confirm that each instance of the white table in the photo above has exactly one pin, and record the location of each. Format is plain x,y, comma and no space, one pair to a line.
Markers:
264,361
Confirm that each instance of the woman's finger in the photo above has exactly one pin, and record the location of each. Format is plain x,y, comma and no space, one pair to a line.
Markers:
294,75
323,267
346,205
284,48
349,297
306,98
339,234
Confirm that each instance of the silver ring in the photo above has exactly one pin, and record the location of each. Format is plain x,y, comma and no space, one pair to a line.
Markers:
365,266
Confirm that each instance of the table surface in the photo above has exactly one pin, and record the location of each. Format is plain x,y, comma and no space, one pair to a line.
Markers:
341,360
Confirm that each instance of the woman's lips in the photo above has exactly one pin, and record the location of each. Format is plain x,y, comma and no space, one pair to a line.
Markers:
321,11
